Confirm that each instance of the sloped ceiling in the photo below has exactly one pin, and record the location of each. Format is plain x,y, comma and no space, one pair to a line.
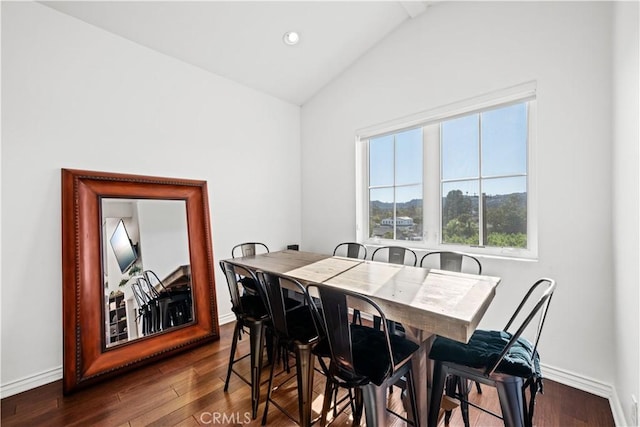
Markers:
242,41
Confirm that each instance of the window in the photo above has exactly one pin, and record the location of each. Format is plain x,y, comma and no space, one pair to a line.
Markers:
457,179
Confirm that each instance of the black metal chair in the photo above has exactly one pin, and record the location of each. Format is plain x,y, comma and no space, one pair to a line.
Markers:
395,255
294,331
175,306
252,314
150,296
452,261
249,249
353,250
363,359
459,262
144,310
500,359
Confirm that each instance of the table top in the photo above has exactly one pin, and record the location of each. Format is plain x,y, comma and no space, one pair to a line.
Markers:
434,301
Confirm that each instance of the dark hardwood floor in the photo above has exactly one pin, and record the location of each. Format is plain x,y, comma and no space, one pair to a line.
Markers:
187,390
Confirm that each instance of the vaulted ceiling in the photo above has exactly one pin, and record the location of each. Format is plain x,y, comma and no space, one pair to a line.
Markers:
243,41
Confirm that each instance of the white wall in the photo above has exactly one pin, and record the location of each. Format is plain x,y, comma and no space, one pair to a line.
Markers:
163,235
458,50
626,196
74,96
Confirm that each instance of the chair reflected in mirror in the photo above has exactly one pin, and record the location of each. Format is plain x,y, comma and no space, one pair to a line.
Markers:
176,305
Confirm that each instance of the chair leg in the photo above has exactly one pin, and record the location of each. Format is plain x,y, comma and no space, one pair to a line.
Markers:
450,390
358,404
304,375
256,343
478,388
234,343
375,404
326,403
270,386
463,387
510,396
437,389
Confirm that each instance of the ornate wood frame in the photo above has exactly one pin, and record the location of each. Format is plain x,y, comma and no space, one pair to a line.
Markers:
86,358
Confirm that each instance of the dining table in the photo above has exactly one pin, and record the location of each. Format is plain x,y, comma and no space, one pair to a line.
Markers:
427,302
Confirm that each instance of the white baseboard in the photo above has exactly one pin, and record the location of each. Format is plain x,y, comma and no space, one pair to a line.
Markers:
32,381
55,374
226,318
589,385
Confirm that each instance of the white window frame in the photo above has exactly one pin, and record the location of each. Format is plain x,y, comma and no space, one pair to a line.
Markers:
432,174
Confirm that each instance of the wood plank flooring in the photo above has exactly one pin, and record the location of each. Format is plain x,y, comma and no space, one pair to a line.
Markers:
187,390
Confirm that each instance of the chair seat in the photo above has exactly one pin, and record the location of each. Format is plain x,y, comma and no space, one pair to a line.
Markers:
370,356
301,325
252,307
484,348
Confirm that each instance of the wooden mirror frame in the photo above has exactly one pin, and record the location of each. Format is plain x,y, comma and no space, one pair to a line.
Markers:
86,358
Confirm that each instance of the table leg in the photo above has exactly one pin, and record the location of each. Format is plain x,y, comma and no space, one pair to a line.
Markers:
422,369
304,375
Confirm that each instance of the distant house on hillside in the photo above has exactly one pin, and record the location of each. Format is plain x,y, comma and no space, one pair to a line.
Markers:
401,221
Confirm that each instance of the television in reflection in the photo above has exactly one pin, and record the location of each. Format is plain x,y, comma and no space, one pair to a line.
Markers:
124,251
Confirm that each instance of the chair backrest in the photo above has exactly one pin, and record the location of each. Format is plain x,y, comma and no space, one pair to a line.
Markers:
273,286
148,291
337,326
153,279
248,249
539,309
396,255
139,295
232,272
453,261
353,250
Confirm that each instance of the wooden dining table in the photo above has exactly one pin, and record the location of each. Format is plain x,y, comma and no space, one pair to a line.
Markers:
428,302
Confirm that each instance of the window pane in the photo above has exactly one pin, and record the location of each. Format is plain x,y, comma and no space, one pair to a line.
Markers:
409,157
506,212
381,161
460,212
409,213
380,211
504,141
460,148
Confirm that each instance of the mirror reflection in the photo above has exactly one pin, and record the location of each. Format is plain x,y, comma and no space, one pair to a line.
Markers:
147,275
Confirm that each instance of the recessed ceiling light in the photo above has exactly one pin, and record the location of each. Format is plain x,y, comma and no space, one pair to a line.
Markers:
291,38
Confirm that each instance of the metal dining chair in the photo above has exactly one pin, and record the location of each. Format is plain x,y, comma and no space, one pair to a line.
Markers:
363,359
452,261
248,249
501,359
459,262
353,250
252,314
294,331
395,255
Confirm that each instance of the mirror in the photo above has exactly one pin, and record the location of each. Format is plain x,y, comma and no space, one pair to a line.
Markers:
124,232
145,263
